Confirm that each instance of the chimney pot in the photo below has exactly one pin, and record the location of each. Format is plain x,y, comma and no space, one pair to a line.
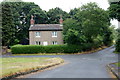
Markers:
61,21
32,21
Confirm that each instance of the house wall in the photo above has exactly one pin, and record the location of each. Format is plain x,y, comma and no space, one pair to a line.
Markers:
45,36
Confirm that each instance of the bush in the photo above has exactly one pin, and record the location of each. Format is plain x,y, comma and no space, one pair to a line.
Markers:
117,45
53,49
18,49
72,48
29,49
25,49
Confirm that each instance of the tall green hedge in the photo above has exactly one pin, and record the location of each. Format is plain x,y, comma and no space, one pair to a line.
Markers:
28,49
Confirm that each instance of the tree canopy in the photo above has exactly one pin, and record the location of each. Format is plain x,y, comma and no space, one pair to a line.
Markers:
89,24
114,10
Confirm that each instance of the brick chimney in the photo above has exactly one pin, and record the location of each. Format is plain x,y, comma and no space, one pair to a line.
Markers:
32,21
61,21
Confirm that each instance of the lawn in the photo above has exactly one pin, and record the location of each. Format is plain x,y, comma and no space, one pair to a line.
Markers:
11,66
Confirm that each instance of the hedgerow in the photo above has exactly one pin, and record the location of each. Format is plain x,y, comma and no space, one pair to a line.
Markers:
30,49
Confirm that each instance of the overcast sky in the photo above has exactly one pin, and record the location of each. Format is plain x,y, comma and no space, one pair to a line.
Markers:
66,5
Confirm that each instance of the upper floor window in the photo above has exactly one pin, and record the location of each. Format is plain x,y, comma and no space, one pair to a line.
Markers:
54,34
54,42
37,34
37,42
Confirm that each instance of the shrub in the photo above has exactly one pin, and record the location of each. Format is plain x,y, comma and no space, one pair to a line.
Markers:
28,49
18,49
117,45
24,49
53,49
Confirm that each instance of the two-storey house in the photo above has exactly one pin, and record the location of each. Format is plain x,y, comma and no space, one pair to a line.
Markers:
45,34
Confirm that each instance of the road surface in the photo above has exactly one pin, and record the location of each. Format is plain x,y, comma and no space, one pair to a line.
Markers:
80,66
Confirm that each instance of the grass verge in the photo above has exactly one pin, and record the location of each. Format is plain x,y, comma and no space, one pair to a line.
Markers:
13,67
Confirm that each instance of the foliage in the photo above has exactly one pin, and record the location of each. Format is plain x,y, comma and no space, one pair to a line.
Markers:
118,42
54,15
29,49
114,10
8,29
16,21
88,24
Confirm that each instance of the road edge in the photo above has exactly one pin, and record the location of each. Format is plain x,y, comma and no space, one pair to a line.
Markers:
113,70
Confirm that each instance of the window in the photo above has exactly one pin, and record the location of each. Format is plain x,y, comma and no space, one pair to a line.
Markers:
37,42
54,42
54,34
37,34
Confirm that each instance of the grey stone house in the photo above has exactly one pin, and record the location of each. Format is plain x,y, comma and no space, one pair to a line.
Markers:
45,34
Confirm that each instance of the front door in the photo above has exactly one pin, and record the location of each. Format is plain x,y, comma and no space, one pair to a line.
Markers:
45,43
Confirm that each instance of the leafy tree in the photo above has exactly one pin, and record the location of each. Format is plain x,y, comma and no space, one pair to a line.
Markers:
94,21
118,41
73,13
8,30
54,15
20,15
114,12
88,24
72,32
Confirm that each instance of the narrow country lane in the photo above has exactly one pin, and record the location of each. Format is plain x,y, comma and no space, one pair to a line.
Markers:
80,66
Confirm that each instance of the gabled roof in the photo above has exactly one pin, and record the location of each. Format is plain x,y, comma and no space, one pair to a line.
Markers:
46,27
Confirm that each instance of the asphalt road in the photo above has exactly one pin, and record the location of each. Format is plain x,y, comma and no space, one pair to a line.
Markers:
80,66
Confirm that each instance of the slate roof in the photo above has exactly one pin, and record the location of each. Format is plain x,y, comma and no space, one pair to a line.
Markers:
46,27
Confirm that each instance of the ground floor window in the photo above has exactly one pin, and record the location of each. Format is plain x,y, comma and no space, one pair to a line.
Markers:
37,42
54,42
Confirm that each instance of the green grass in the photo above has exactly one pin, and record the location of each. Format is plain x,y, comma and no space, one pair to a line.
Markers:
118,64
11,66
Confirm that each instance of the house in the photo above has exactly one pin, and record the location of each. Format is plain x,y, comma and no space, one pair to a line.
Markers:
45,34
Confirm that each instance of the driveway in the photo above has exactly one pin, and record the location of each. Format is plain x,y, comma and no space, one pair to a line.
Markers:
80,66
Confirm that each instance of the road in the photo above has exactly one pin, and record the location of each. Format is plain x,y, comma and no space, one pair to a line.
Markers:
80,66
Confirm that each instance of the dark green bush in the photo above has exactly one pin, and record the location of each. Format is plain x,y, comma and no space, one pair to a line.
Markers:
28,49
117,45
18,49
53,49
72,48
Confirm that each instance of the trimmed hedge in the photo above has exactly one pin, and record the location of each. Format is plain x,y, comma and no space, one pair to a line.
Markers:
29,49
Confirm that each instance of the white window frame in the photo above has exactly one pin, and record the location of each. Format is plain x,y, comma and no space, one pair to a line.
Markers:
37,43
54,33
54,43
37,34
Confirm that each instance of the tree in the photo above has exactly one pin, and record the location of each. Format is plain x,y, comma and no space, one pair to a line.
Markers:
8,29
20,13
114,12
94,21
117,46
72,32
88,24
54,15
